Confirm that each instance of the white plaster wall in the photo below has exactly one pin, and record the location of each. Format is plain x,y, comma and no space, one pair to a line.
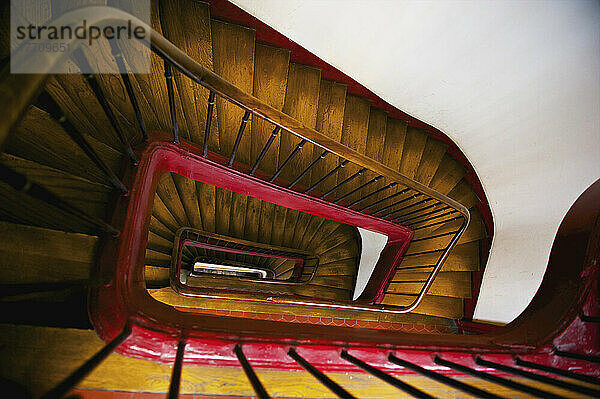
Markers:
516,84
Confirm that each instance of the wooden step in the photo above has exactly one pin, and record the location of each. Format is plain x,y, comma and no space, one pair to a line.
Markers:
330,119
464,193
38,255
40,139
345,267
412,151
395,138
354,136
20,208
186,188
233,60
206,196
156,276
432,305
76,99
158,243
155,258
170,196
463,257
342,234
301,102
191,32
90,197
164,215
291,220
430,160
238,215
449,173
271,66
440,238
452,284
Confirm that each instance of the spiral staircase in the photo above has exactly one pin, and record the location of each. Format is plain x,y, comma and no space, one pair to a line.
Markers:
49,256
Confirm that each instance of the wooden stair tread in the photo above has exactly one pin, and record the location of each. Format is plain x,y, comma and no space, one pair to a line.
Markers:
40,139
191,32
475,231
271,65
463,257
412,151
91,197
448,174
20,208
186,188
430,160
170,196
452,284
464,193
301,102
440,306
51,256
354,135
233,59
330,119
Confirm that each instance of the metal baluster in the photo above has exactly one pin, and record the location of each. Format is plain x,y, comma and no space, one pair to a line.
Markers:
442,378
577,356
116,52
437,223
289,158
95,86
409,389
400,218
68,383
312,165
349,179
238,138
322,179
388,198
433,218
57,114
176,372
171,94
498,380
373,193
20,183
554,370
408,207
435,236
393,204
323,379
209,113
252,377
358,189
265,149
537,377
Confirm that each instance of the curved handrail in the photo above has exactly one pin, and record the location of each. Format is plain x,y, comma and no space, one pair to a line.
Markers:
18,91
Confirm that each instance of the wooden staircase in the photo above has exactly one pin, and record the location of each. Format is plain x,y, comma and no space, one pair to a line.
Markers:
41,149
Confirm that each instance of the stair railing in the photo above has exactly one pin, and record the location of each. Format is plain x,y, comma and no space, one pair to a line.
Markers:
409,203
